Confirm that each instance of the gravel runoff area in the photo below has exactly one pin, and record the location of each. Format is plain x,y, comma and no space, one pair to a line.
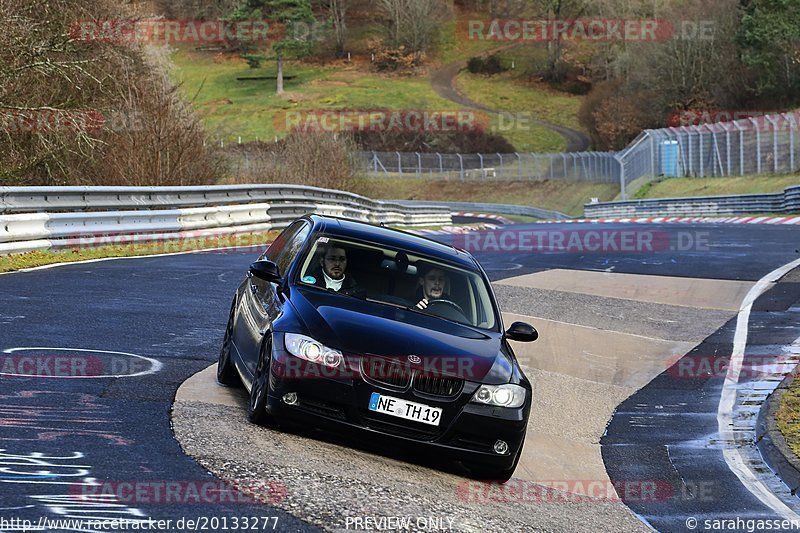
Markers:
324,483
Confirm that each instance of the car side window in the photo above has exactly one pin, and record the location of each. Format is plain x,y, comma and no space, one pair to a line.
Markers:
288,245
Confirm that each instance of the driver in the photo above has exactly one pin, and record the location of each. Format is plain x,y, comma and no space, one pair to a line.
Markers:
432,284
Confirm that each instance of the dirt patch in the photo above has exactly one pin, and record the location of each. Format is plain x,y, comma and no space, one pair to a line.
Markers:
293,97
329,83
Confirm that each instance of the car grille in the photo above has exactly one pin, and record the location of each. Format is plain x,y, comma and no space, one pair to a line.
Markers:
385,372
438,385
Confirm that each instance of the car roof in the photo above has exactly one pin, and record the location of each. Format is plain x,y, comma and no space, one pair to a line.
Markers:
390,237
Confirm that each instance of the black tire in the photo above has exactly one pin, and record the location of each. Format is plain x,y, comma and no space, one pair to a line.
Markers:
256,405
226,372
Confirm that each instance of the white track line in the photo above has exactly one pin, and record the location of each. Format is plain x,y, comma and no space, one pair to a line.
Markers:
728,399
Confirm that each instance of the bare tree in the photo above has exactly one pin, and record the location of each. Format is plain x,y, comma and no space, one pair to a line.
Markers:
415,23
558,10
337,10
78,111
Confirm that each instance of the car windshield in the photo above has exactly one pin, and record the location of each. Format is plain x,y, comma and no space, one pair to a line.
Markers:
400,278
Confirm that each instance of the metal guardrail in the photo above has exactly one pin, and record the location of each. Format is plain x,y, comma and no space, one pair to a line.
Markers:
36,218
53,199
501,209
784,202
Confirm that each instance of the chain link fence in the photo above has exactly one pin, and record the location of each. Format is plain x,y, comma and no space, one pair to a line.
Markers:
577,166
762,145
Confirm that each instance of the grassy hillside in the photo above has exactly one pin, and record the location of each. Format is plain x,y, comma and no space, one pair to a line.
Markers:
250,109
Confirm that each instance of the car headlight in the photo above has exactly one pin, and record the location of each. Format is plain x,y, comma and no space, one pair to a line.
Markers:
311,350
500,395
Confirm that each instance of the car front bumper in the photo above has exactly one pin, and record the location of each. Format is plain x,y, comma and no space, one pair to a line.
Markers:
467,433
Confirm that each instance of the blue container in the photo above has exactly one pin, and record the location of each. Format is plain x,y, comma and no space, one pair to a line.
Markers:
669,158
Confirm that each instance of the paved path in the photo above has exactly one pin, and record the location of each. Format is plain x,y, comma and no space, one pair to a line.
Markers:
443,82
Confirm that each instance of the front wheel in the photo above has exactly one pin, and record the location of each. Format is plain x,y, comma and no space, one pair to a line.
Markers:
257,405
226,373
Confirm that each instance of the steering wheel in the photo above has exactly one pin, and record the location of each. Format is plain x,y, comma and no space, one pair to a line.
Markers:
447,306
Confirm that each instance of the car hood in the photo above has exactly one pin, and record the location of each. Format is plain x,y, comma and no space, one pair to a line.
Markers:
356,326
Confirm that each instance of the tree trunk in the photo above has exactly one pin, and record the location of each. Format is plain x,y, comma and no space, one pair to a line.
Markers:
280,72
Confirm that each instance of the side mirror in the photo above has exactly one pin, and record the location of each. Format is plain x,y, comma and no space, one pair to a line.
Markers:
266,270
522,332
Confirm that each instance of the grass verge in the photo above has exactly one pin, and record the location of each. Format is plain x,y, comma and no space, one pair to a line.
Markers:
567,197
788,416
9,263
682,187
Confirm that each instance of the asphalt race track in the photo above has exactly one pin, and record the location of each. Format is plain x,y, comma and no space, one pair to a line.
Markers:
93,354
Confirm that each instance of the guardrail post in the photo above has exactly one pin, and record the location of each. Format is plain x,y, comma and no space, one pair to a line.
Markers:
419,164
399,163
441,166
652,155
519,165
791,145
483,172
461,164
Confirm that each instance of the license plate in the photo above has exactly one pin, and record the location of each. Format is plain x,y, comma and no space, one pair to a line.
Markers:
404,409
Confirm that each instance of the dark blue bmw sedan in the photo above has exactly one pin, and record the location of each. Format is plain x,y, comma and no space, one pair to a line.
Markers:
355,327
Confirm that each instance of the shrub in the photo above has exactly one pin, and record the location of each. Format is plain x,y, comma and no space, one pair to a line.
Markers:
489,66
315,159
394,59
253,60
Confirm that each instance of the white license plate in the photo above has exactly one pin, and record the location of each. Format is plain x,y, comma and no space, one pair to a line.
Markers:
404,409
